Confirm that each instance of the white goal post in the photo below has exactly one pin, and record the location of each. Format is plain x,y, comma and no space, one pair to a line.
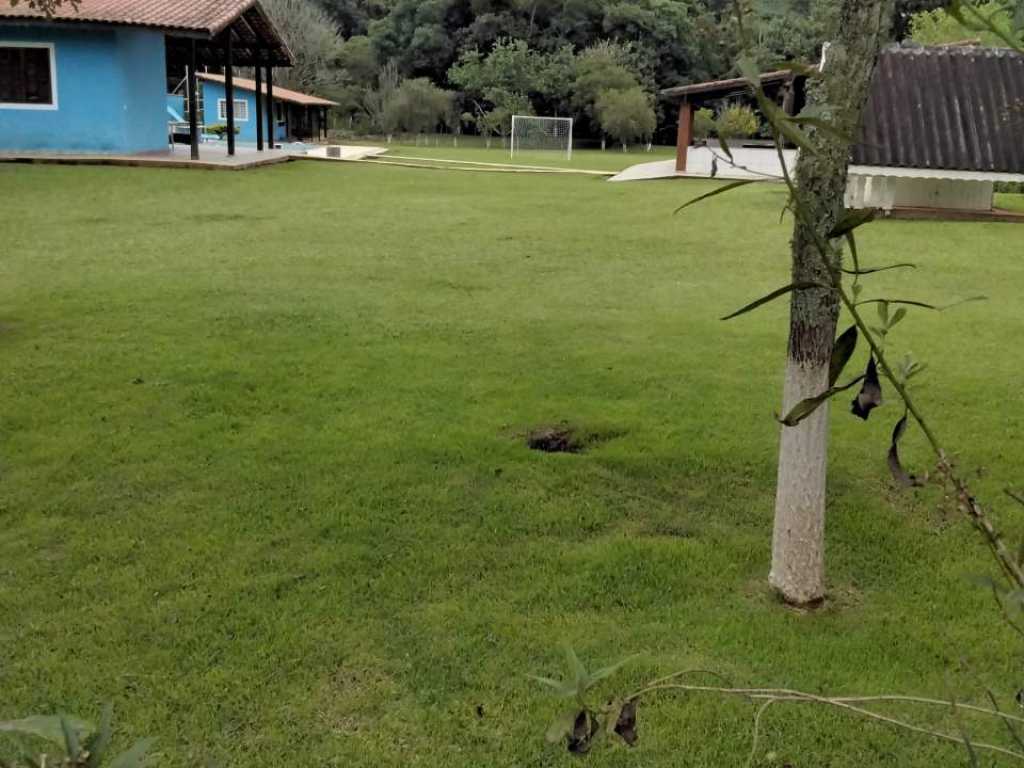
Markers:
540,133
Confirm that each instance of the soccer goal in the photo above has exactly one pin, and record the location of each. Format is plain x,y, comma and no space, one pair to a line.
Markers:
542,133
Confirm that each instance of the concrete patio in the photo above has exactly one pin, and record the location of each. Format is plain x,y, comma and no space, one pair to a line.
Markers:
212,156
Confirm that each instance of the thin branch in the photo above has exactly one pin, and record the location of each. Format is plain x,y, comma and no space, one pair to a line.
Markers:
757,731
785,694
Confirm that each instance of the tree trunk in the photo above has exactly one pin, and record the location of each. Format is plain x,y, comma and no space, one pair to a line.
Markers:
798,543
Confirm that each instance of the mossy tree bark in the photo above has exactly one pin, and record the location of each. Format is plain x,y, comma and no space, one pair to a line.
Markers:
798,545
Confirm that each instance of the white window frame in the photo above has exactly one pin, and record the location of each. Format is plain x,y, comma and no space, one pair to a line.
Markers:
222,110
53,105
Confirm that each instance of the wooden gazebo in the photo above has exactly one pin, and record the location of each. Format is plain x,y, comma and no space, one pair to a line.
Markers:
784,86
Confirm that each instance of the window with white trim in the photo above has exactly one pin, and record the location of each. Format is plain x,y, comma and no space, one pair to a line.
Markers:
27,76
241,110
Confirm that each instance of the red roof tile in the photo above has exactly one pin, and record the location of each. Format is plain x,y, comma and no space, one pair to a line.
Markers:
210,16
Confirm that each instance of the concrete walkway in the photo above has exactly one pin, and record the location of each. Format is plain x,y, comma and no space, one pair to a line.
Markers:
345,152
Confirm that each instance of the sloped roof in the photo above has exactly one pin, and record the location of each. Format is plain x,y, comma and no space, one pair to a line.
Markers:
210,16
253,34
948,108
715,89
284,94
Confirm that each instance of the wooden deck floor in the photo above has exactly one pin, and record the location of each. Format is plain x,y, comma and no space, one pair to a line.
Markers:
212,157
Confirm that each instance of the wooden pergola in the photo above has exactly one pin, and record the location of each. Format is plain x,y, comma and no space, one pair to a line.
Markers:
783,85
248,39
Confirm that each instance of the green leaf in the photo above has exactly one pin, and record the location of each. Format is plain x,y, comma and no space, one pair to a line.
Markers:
898,315
134,757
805,408
856,260
873,270
719,191
822,125
852,219
97,744
71,744
749,70
577,672
563,688
608,671
560,727
883,313
772,296
922,304
46,727
723,142
842,351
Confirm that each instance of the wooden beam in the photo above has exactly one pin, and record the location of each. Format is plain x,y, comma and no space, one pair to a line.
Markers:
193,104
684,135
271,134
259,108
229,94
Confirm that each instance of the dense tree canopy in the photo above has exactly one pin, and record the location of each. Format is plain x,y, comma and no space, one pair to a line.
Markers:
550,57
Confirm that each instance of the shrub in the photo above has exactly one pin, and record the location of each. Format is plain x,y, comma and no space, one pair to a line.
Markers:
220,130
703,123
737,121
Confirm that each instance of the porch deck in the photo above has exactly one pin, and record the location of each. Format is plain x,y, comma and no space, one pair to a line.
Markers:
212,157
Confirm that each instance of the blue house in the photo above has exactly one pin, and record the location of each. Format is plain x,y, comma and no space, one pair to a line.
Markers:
296,115
94,79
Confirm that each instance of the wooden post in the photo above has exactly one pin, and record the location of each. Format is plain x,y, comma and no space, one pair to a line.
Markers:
684,135
271,133
229,93
259,107
193,102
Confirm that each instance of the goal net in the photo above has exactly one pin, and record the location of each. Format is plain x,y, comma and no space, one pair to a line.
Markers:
542,133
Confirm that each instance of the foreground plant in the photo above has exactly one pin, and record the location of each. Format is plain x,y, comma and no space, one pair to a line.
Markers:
83,745
821,285
580,727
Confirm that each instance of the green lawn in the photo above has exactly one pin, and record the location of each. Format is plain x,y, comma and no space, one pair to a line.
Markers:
263,483
440,148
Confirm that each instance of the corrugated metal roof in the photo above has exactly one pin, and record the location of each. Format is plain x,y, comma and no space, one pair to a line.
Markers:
210,16
950,108
284,94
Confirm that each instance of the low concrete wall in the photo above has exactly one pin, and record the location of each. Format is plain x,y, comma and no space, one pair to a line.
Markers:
888,192
746,162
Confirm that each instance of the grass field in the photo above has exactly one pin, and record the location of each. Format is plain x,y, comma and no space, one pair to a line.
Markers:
263,482
472,150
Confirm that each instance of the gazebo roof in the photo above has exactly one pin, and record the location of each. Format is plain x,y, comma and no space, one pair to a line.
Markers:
208,22
718,89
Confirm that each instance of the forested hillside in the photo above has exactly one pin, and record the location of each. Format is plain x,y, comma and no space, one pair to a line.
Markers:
468,65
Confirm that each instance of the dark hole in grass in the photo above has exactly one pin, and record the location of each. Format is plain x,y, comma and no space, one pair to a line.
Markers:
565,438
560,439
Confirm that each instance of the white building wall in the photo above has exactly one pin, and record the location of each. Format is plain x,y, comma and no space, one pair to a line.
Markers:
746,163
888,192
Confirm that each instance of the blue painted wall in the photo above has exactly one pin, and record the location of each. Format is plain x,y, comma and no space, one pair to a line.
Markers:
110,87
213,92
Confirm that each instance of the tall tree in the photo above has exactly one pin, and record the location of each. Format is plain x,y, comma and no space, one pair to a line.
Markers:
939,26
313,38
798,545
626,115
